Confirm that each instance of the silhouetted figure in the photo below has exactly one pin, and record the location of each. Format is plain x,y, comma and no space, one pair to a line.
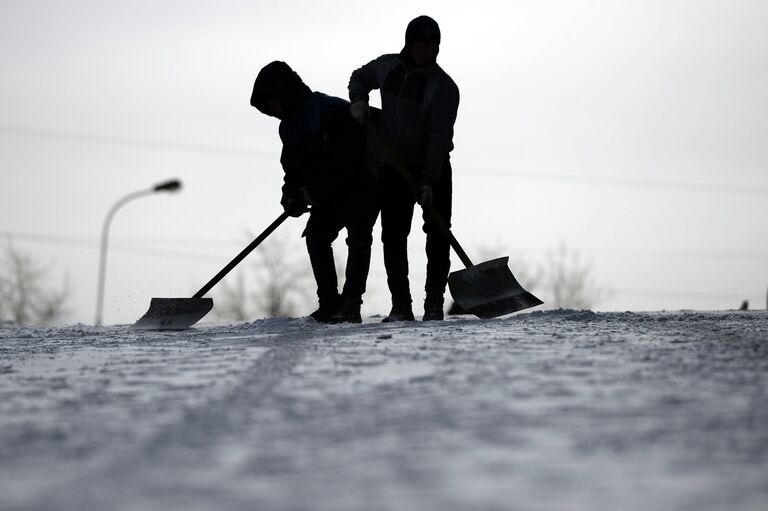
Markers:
323,159
419,103
744,305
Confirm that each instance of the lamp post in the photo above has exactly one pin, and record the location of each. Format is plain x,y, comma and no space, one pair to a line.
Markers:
166,186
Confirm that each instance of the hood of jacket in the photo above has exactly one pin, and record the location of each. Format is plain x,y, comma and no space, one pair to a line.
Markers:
277,80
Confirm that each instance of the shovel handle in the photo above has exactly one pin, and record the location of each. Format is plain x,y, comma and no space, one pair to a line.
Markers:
239,257
429,208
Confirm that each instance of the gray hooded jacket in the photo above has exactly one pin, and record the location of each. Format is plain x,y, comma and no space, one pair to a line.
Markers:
418,105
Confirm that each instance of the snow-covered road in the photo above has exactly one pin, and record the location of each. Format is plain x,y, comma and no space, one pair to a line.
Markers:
548,410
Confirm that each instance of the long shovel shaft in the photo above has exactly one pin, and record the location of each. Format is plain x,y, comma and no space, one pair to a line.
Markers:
435,216
242,255
429,208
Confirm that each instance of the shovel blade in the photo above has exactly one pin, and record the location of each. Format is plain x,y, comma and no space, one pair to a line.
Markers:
489,290
173,313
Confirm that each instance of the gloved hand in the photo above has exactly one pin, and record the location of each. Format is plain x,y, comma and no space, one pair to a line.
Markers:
307,199
294,207
425,197
360,111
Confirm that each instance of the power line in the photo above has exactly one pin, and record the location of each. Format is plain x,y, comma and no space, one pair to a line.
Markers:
663,253
630,183
708,295
744,189
131,245
116,246
209,258
134,142
181,241
174,254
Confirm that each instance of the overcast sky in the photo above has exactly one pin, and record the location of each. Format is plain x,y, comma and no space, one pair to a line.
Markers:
634,132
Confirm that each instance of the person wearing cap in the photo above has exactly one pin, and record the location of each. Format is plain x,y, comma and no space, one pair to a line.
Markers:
324,164
419,102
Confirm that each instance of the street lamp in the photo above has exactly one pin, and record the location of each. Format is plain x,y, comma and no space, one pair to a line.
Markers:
171,185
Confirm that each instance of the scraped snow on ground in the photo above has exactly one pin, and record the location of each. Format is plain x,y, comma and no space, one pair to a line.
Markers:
555,410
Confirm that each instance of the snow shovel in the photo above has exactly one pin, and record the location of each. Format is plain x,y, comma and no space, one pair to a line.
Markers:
488,289
181,313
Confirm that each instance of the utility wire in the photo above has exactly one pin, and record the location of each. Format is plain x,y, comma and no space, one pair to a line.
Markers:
134,142
630,183
663,253
677,294
175,254
744,189
116,246
134,241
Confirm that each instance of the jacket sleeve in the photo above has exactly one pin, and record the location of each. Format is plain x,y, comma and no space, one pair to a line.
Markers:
293,180
366,79
341,158
444,107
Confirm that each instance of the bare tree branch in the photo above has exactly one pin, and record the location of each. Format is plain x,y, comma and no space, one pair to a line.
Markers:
281,286
562,280
568,280
24,299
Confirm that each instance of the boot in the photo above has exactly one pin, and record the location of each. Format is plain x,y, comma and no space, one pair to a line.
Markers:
400,312
327,309
349,312
433,309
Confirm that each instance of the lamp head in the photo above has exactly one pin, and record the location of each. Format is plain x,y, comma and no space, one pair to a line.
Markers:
172,185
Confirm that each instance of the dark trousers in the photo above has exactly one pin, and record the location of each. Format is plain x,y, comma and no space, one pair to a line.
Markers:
397,203
356,209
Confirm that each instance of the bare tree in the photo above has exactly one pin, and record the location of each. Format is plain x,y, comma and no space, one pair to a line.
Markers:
568,281
562,280
24,299
233,302
282,284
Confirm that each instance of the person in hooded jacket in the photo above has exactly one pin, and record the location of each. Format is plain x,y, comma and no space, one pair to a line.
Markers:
419,102
323,159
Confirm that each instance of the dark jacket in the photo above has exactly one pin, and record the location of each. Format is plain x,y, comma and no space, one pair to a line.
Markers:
323,146
419,108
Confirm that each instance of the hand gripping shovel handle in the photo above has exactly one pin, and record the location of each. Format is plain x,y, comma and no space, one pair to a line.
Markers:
242,255
429,208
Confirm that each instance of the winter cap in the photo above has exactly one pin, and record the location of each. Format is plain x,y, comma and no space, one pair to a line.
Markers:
422,30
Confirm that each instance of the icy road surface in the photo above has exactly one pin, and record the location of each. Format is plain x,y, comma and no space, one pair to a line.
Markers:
561,410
